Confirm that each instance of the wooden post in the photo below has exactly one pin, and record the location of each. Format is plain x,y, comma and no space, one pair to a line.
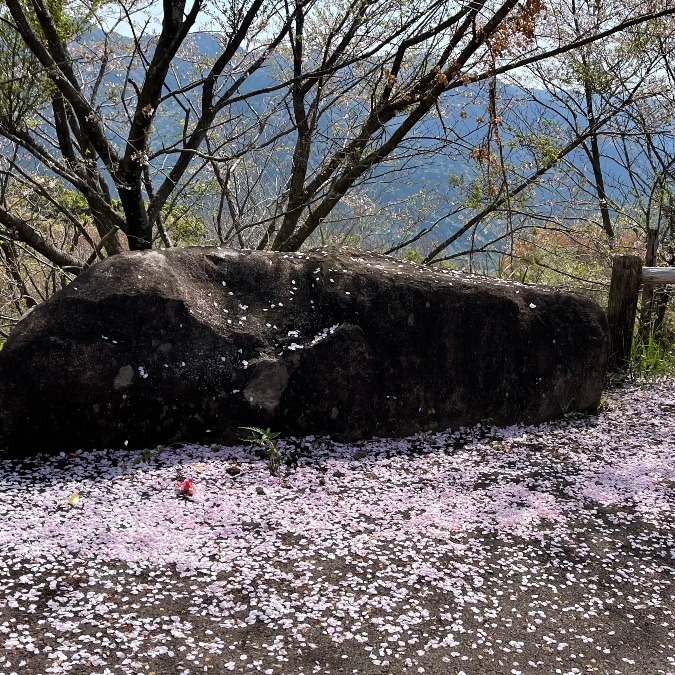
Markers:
624,291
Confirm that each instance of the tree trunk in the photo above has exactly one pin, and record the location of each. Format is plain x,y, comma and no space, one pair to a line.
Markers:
139,230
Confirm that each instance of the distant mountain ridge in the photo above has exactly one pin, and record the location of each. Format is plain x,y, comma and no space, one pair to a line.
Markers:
436,172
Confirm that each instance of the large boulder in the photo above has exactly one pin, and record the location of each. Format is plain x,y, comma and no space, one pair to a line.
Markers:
191,344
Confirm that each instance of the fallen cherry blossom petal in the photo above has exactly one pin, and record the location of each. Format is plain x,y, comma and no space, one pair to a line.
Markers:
546,549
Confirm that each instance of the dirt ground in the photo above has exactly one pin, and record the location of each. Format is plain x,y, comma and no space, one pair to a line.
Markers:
543,550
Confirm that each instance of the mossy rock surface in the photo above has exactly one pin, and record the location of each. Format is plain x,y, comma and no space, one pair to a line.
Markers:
191,344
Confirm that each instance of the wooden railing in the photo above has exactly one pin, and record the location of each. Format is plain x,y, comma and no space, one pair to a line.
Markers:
628,275
658,275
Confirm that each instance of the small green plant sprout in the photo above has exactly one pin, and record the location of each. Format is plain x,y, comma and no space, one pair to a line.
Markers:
567,407
431,424
265,438
147,455
651,360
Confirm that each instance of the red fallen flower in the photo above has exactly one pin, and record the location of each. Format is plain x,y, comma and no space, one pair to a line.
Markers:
186,488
